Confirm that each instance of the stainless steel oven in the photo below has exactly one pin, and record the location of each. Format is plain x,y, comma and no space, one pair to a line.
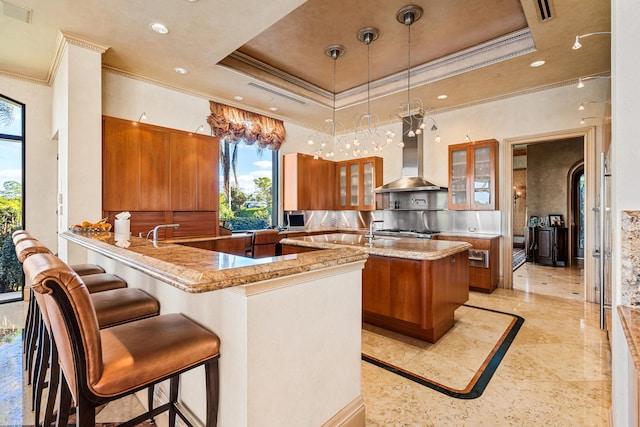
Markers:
479,258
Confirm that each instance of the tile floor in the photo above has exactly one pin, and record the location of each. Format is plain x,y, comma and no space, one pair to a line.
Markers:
557,371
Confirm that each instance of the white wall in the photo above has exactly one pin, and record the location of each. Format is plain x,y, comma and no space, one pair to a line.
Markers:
625,156
40,153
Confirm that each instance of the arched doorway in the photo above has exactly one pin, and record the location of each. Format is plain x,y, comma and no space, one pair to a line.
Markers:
576,182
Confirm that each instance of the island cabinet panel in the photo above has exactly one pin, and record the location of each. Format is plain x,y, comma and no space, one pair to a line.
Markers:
162,172
309,184
376,290
406,290
416,298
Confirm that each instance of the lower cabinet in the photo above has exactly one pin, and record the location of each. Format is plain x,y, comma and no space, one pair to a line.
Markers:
547,245
483,276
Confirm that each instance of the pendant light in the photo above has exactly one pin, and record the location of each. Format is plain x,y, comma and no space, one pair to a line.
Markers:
412,111
331,130
368,136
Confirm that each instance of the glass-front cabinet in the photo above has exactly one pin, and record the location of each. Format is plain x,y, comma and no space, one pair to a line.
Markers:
472,175
356,180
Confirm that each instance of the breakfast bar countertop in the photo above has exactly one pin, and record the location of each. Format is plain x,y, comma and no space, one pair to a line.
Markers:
196,270
398,247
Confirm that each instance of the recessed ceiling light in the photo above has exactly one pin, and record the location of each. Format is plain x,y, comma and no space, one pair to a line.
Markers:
181,70
536,64
274,109
443,96
238,98
159,28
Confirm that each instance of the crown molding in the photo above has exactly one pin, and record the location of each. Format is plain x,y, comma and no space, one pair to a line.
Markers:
64,39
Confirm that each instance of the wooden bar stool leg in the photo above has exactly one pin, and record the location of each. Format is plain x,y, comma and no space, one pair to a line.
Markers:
65,402
54,379
26,332
173,398
212,386
33,342
150,392
44,350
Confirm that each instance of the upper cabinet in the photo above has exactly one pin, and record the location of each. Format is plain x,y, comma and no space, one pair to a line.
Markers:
473,181
319,184
356,179
309,184
150,168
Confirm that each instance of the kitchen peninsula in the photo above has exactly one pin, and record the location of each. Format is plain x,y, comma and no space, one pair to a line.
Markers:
289,326
410,286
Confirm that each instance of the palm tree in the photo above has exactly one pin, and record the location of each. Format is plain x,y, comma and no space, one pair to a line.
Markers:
229,161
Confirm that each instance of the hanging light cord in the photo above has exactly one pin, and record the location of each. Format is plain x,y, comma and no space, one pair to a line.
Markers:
409,18
334,56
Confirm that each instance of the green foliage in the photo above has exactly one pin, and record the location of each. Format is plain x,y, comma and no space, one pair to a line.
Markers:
263,194
225,210
10,220
7,113
241,224
238,199
11,279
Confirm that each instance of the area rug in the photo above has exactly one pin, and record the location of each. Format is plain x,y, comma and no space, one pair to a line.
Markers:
460,364
519,258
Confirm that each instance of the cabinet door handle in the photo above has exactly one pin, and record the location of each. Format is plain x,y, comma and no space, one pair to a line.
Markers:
453,260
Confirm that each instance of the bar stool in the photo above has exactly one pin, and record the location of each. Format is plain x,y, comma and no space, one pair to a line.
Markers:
114,305
99,366
263,243
27,245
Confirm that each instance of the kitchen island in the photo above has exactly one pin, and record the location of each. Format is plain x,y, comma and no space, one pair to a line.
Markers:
289,326
410,286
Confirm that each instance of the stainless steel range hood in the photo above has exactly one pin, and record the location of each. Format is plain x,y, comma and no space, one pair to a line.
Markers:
412,166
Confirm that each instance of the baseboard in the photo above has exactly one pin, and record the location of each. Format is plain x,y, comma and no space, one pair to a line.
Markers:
352,415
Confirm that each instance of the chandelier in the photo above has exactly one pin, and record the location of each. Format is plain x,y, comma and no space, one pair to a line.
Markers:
367,134
331,131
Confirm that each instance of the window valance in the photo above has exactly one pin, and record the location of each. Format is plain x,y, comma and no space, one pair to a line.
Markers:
233,125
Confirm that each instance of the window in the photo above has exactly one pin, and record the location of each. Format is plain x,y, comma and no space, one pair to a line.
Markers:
248,179
11,191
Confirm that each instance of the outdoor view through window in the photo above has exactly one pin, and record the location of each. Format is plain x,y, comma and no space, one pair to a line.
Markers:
11,149
246,175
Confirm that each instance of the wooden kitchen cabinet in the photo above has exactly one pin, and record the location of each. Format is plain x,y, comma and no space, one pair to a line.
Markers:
194,181
161,176
356,179
481,278
308,184
472,175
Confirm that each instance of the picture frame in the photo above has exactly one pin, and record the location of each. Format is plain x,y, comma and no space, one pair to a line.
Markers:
555,220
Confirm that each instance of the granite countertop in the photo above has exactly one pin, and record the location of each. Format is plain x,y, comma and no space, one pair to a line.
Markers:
195,270
398,247
469,235
630,320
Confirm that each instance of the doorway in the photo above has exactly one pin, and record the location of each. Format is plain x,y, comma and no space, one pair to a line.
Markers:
577,208
587,136
12,129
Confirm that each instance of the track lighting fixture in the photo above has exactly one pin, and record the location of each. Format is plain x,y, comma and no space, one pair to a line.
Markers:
577,45
581,80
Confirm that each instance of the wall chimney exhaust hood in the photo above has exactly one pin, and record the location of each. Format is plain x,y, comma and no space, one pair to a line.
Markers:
412,166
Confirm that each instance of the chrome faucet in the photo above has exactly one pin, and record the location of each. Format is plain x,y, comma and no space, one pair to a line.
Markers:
371,226
158,227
